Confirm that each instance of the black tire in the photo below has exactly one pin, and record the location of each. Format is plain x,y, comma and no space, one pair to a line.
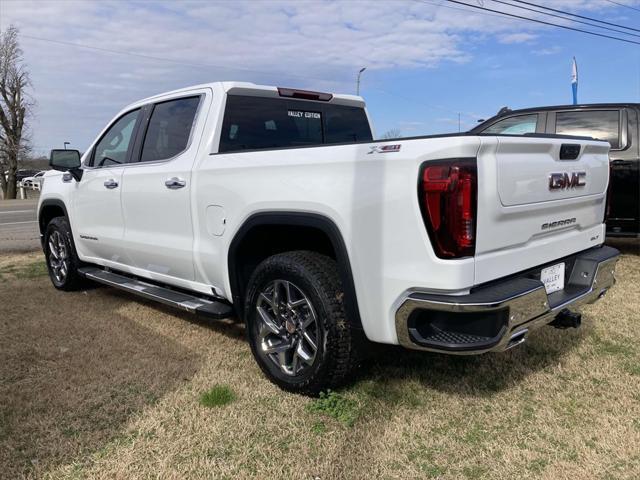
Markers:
58,234
314,277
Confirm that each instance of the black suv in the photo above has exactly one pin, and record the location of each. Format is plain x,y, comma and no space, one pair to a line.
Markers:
615,122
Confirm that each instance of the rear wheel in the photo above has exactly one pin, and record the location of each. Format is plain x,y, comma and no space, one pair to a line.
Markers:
60,253
297,325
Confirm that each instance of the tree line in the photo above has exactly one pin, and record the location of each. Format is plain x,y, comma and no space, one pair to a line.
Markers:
15,107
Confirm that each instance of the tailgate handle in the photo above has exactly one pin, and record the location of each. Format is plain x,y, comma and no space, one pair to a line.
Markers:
569,151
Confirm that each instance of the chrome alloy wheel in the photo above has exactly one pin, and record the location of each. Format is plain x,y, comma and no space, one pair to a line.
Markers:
58,256
288,329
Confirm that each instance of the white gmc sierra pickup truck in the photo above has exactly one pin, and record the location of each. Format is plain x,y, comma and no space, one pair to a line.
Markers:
278,205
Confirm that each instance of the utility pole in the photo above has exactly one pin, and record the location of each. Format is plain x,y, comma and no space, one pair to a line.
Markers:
358,82
65,144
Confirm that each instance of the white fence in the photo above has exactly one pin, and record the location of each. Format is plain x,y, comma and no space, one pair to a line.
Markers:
30,186
22,189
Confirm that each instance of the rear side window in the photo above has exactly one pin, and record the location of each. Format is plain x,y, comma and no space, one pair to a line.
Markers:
253,123
518,125
600,124
169,129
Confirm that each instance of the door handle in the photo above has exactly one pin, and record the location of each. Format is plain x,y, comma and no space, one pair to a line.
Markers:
175,183
111,184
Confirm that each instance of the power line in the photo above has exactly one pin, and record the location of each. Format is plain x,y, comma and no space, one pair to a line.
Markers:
545,23
577,16
623,5
450,7
568,19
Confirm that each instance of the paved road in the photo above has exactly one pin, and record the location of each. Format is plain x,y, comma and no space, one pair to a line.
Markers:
18,226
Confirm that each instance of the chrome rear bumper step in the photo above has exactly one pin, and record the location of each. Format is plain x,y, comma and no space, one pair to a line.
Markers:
500,316
205,307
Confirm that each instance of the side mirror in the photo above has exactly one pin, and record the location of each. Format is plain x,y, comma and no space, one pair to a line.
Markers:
66,160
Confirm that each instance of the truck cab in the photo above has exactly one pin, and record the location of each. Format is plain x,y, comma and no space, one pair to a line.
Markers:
616,123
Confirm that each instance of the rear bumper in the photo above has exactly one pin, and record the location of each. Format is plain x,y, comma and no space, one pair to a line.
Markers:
500,315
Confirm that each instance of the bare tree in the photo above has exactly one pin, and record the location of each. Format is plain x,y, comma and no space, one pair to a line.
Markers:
14,107
393,133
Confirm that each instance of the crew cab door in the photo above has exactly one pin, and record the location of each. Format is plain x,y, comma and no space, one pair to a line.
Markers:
156,194
97,212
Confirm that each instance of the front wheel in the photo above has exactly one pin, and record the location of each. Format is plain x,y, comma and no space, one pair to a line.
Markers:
60,253
297,325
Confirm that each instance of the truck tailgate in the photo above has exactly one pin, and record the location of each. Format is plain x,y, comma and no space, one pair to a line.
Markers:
536,204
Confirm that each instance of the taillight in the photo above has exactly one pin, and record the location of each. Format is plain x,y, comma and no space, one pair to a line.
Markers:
448,199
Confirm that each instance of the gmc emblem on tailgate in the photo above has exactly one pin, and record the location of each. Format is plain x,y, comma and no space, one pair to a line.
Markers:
559,181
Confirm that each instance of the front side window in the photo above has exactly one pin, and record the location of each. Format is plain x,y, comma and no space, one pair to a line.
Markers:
169,129
518,125
254,123
113,146
600,124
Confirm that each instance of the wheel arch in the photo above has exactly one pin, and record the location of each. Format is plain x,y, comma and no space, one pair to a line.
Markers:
49,209
312,222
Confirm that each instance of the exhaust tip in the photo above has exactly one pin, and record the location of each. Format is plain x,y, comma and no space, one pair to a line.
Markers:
517,339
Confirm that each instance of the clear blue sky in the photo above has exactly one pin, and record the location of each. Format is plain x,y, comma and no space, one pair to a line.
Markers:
426,62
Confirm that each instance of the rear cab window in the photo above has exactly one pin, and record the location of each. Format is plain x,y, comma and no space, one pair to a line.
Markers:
599,124
257,123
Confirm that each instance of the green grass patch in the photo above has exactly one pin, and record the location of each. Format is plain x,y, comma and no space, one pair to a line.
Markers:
319,428
218,396
633,367
33,270
538,465
403,393
432,471
474,472
334,405
475,435
26,271
608,347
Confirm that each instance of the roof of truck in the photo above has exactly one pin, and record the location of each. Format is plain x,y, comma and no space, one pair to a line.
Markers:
507,112
252,89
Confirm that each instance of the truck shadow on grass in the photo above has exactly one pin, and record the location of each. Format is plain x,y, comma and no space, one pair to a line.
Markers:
627,246
391,368
231,328
388,369
71,376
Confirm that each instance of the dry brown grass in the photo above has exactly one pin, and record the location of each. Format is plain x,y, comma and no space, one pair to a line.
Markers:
101,385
